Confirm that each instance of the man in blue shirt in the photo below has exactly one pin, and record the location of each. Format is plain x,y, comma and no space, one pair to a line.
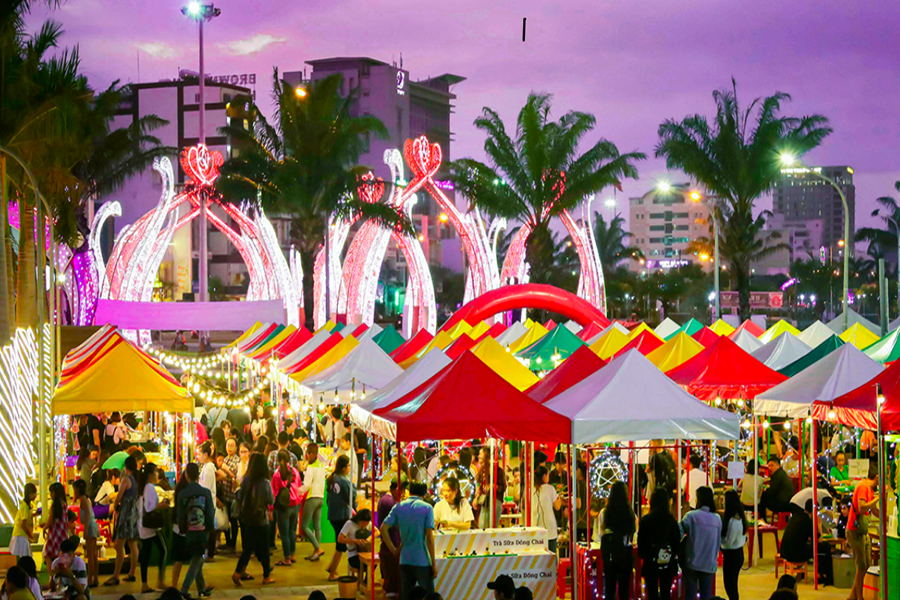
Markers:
415,519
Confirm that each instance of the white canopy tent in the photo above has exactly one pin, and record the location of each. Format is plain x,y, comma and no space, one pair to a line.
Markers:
666,328
781,352
369,333
305,350
512,333
853,317
573,326
365,369
747,342
610,327
630,399
839,372
815,334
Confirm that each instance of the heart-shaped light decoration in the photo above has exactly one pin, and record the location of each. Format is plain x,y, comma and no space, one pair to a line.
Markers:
201,165
423,158
370,188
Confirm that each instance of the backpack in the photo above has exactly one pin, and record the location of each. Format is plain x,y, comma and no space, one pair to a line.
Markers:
194,518
283,500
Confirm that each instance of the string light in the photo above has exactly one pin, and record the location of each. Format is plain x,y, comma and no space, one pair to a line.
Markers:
606,469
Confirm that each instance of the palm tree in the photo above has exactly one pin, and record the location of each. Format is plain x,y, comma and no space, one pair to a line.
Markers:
539,174
736,160
885,239
612,243
304,164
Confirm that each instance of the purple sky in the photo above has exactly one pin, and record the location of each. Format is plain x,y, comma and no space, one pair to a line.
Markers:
632,64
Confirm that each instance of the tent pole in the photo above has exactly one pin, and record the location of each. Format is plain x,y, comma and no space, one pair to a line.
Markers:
815,496
399,489
758,539
882,500
572,532
800,423
678,478
492,462
375,516
587,494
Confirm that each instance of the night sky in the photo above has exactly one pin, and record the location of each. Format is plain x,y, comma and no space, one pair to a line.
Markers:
632,64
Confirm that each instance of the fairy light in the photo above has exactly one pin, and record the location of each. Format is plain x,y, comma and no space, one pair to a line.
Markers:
606,469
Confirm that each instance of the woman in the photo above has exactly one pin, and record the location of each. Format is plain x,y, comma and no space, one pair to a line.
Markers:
703,529
483,496
734,537
314,489
354,534
149,503
286,491
27,564
127,514
544,502
87,460
206,458
244,453
340,507
658,539
617,523
840,472
227,483
217,436
23,527
254,499
452,511
179,542
115,433
56,530
751,486
90,531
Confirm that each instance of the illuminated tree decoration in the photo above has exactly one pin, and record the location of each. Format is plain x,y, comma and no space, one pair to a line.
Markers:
606,469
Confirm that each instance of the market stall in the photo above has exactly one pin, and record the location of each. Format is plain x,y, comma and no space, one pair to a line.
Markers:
363,371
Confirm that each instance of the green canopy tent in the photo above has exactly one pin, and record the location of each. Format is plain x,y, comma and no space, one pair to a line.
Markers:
389,339
690,328
816,354
546,353
885,350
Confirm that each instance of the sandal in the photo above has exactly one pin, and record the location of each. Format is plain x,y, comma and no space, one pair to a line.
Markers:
282,563
237,578
207,592
130,578
268,580
246,577
111,582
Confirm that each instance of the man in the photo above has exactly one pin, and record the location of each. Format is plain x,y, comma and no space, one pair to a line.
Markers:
777,497
415,519
298,444
864,503
797,542
284,441
240,420
660,468
68,572
503,587
17,584
361,448
196,515
390,565
694,480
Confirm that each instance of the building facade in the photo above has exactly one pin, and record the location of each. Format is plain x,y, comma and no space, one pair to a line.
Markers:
800,196
804,239
662,226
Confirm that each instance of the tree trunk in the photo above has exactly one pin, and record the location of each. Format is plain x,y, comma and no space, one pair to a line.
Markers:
26,294
307,260
5,331
742,282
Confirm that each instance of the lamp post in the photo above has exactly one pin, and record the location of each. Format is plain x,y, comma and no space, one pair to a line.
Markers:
789,160
200,13
877,213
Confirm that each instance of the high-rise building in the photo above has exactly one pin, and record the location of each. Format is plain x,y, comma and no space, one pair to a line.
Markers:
799,195
803,238
662,226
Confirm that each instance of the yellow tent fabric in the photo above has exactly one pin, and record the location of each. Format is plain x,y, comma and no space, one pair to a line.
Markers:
674,352
529,323
340,350
328,326
503,364
264,350
640,329
244,335
459,329
121,380
777,329
536,332
610,343
479,330
859,336
440,341
721,327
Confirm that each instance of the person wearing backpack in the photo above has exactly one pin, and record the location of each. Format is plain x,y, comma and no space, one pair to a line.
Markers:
196,517
286,490
253,501
340,508
617,524
658,538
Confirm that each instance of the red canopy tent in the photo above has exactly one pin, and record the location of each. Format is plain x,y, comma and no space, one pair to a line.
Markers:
411,346
361,329
857,408
495,330
576,367
549,324
725,370
589,331
463,343
293,341
333,340
750,326
706,336
468,400
645,343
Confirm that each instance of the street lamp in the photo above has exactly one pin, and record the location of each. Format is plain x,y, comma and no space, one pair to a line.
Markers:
877,213
790,160
200,13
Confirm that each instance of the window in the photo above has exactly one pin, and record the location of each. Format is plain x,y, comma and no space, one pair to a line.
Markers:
682,227
680,240
669,228
657,215
364,71
352,84
226,97
656,240
668,215
400,123
657,228
683,215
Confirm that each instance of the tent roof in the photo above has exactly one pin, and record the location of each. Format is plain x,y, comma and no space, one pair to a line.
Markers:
266,349
502,362
614,325
359,330
721,327
853,317
550,324
676,351
857,408
887,349
257,337
779,328
325,360
462,343
589,331
667,328
512,333
388,339
459,329
645,343
749,326
690,328
573,326
86,350
705,336
412,345
294,341
244,335
366,368
413,377
610,343
843,370
536,332
579,365
859,336
813,356
441,340
559,342
726,371
468,400
641,328
746,341
328,326
494,332
781,351
479,330
815,334
120,378
630,399
296,359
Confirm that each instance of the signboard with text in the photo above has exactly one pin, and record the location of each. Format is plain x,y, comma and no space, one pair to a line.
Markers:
758,300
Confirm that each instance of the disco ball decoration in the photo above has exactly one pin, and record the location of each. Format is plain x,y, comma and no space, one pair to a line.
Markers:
463,474
606,469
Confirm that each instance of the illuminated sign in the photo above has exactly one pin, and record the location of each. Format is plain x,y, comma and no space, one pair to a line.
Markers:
758,300
401,83
237,79
667,263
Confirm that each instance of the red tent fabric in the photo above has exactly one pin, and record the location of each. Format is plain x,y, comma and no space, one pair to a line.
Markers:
463,343
589,331
857,407
495,330
646,342
468,400
333,340
411,346
706,336
549,324
576,367
293,341
726,371
360,330
750,326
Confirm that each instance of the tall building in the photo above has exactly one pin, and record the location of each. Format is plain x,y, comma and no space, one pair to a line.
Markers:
662,226
804,239
408,110
799,195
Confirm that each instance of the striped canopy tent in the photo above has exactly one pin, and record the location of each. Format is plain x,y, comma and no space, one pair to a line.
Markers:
241,338
497,358
86,350
721,327
705,336
813,356
326,359
388,339
320,343
887,349
579,365
258,337
815,334
781,352
645,343
746,341
294,341
411,346
749,326
611,342
266,349
674,352
550,350
667,328
858,407
779,328
859,336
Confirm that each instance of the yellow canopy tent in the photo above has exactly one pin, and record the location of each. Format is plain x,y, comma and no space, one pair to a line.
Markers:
859,336
536,332
721,327
328,326
340,350
640,329
459,329
504,364
479,330
528,323
440,341
777,329
611,342
674,352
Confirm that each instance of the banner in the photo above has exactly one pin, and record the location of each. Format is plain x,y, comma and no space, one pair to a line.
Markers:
758,300
466,577
203,316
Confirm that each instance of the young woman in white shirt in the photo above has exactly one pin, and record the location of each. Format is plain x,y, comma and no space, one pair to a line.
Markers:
734,536
544,502
149,502
453,511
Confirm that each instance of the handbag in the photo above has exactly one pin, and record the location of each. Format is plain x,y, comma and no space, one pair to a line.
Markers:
153,520
222,522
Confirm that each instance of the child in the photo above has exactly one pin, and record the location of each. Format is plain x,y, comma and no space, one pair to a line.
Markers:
355,533
27,564
107,492
23,527
68,573
90,529
57,526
